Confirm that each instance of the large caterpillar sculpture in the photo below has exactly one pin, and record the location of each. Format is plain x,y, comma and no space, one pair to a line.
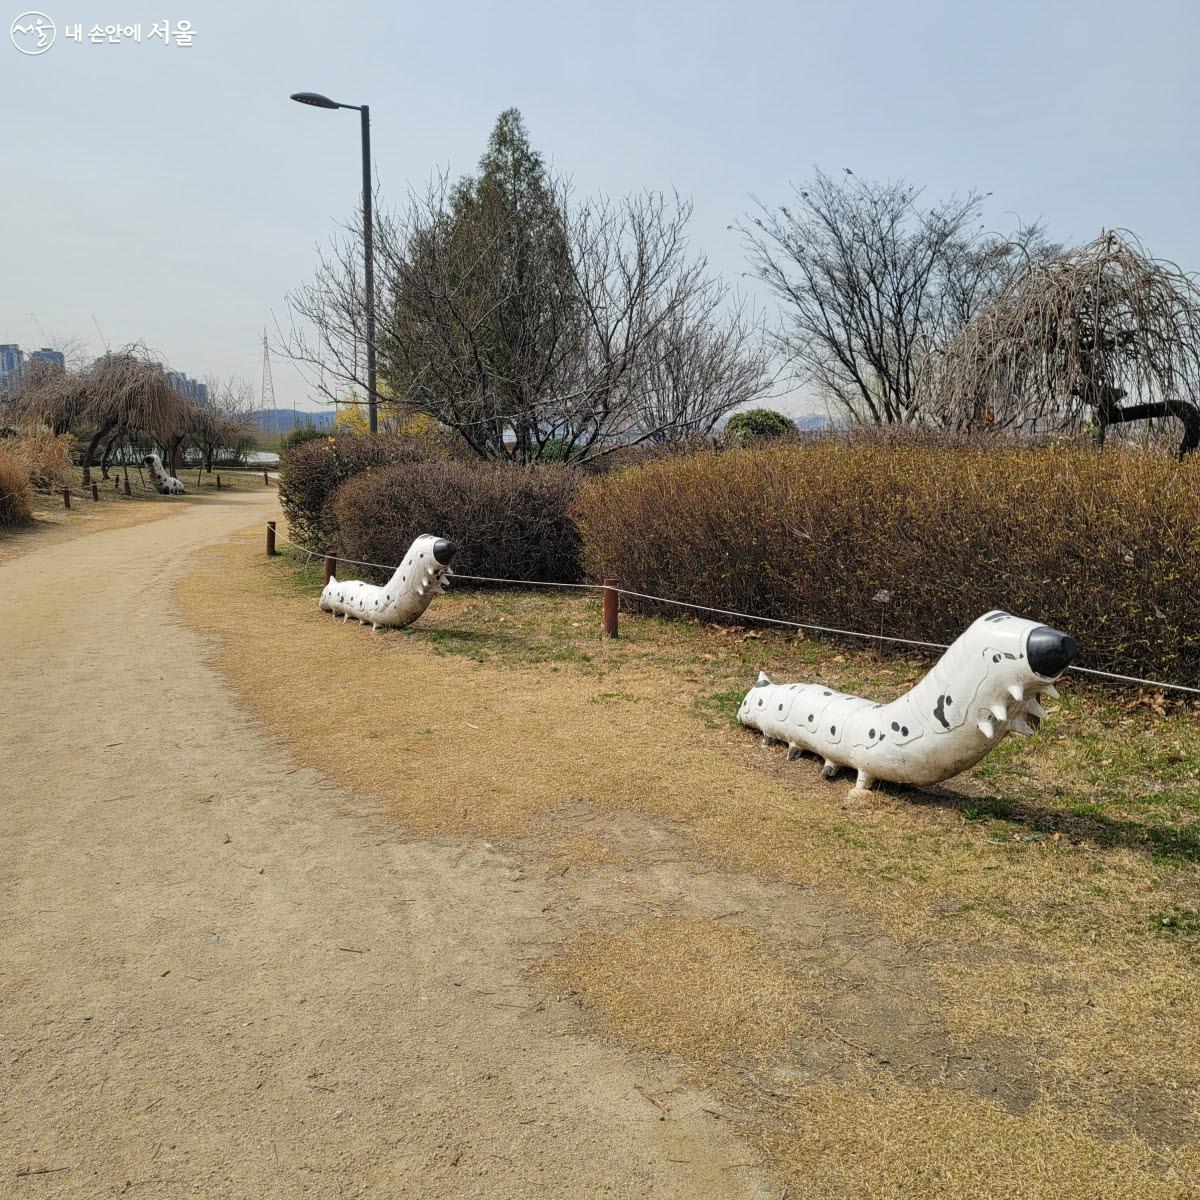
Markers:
167,484
424,572
987,684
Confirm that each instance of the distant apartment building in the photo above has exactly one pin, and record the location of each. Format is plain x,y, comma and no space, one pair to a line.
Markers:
11,361
193,389
46,355
14,362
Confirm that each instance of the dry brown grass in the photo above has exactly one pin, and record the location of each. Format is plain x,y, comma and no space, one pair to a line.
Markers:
895,1142
236,479
1034,1030
46,456
14,492
698,990
723,1000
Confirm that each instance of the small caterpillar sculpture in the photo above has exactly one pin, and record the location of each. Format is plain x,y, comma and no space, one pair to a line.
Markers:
167,484
986,685
404,597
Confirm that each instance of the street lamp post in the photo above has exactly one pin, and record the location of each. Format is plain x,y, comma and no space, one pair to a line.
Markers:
319,101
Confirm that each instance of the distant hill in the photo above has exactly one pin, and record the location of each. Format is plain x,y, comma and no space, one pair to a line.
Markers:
283,420
816,421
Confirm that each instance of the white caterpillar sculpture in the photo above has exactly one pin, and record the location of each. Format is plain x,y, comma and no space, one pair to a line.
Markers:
986,685
404,597
167,484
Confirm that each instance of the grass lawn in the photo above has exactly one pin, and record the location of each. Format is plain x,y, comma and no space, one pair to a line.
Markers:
240,479
986,988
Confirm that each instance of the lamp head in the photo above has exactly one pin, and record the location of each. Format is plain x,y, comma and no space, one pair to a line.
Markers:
315,99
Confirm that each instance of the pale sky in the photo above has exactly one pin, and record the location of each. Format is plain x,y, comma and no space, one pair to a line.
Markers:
175,194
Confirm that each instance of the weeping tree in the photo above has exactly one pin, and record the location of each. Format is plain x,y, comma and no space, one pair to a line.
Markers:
123,392
50,395
1100,335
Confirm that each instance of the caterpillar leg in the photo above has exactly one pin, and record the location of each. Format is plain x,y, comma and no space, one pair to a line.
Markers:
830,769
794,751
864,783
768,741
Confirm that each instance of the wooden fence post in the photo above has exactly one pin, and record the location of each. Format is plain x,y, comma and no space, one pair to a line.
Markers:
611,599
265,479
330,567
66,494
270,537
95,491
218,481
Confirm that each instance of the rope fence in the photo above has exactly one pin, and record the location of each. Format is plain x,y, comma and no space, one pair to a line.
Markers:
611,590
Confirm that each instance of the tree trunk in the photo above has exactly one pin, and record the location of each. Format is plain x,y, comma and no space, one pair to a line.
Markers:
90,453
107,456
1184,411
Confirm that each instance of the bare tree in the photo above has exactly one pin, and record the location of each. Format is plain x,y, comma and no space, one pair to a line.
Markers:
870,283
1071,338
225,422
704,364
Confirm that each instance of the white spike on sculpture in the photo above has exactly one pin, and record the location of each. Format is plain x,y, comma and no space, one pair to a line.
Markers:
167,484
424,572
985,686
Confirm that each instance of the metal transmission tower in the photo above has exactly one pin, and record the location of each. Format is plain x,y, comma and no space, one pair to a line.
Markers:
266,397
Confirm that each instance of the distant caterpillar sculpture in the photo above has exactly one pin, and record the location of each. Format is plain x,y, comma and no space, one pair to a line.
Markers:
986,685
167,484
404,597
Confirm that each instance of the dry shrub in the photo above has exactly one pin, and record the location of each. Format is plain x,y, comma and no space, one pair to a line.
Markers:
512,522
45,455
311,471
14,491
1103,545
624,457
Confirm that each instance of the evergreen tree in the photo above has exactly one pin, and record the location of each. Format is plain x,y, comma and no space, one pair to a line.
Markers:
502,247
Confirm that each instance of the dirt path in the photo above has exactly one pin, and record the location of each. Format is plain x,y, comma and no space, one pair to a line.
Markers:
220,976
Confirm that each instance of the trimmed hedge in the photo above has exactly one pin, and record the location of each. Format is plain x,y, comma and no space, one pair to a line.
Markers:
1103,545
509,522
311,471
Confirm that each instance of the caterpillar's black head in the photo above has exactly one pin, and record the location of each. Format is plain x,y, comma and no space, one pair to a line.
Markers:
1050,652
